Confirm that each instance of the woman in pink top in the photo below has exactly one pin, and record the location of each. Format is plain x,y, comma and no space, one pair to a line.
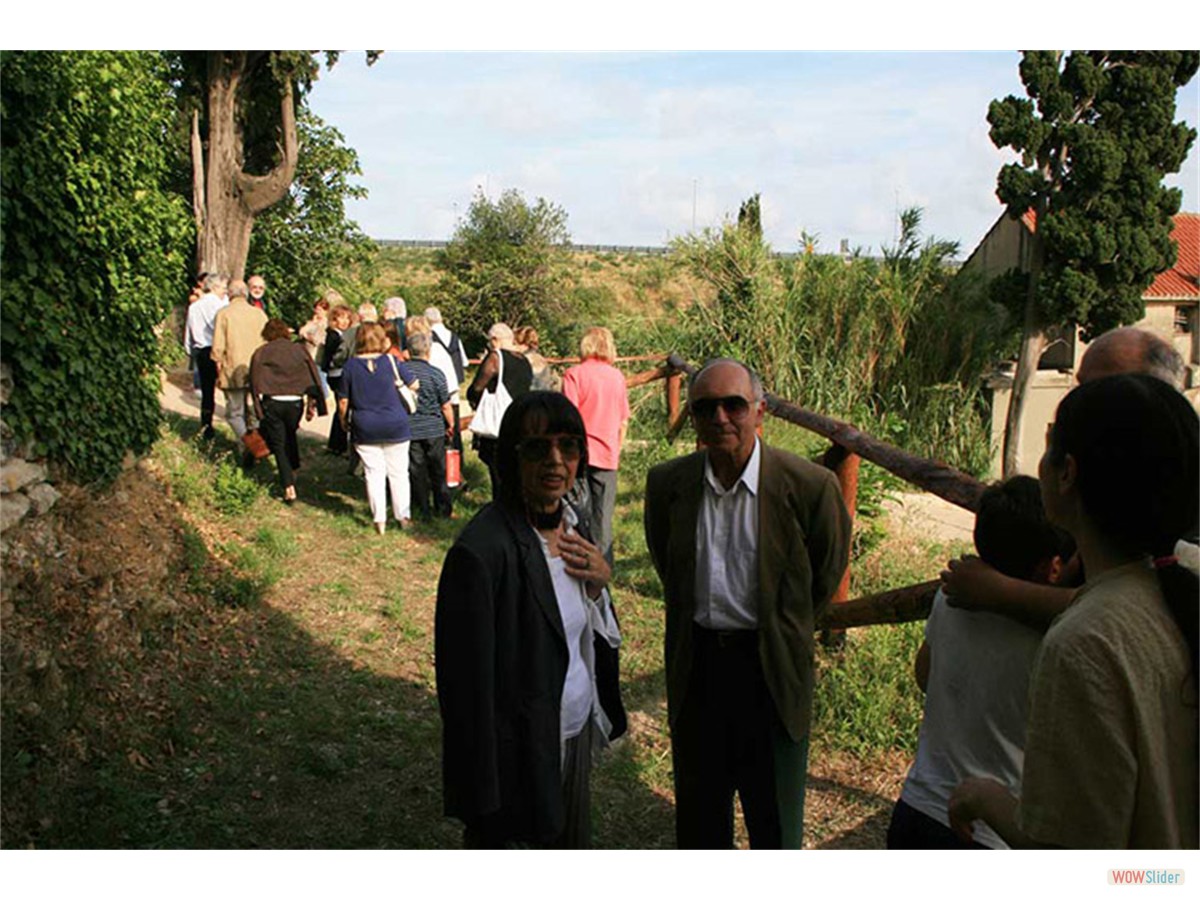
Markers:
597,388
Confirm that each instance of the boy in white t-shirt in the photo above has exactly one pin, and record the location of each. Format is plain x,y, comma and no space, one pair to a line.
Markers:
974,668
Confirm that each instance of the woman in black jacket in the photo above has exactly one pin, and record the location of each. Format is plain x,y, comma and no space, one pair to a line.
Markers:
284,385
525,640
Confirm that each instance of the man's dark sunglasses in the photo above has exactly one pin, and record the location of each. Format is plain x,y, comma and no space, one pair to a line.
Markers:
535,449
706,407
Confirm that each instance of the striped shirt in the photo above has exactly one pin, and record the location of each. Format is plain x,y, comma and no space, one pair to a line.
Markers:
428,422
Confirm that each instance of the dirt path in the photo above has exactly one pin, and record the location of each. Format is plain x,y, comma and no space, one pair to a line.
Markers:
178,396
929,517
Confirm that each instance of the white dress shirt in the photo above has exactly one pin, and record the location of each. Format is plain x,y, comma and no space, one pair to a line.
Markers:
727,550
439,358
201,319
445,358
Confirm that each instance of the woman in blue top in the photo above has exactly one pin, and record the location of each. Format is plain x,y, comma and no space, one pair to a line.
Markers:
370,408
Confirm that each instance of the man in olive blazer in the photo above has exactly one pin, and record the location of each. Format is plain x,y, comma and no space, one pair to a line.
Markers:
750,544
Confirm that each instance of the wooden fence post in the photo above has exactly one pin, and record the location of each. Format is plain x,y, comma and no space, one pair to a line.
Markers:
845,466
674,381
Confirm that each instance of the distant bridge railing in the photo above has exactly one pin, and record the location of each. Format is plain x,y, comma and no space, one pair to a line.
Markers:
585,248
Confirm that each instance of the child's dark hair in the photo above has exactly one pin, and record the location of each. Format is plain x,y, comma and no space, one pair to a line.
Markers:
1136,445
1012,533
553,414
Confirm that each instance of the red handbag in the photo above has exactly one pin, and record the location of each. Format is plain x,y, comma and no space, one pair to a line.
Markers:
255,444
453,467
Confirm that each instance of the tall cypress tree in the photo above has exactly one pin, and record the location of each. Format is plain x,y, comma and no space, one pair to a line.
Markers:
1096,135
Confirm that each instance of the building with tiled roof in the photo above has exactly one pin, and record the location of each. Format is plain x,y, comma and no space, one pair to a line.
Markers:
1172,309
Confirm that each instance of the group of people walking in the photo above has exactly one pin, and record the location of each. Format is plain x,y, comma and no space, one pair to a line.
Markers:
271,382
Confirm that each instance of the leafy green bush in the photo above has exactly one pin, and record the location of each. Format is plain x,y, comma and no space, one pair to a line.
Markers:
507,262
94,252
234,491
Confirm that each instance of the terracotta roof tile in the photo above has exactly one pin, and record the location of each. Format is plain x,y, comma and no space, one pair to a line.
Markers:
1183,279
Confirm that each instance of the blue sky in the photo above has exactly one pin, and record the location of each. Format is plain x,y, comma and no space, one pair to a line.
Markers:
834,141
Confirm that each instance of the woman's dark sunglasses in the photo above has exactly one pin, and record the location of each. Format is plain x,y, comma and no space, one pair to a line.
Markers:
535,449
706,407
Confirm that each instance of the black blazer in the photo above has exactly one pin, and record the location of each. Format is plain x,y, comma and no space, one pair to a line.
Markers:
501,662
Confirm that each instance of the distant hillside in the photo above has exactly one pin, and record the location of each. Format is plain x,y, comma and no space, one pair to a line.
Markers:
627,281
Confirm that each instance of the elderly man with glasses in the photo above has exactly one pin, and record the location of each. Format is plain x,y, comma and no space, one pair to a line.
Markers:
750,543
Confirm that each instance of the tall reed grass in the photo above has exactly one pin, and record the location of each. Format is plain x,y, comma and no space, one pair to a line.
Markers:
898,346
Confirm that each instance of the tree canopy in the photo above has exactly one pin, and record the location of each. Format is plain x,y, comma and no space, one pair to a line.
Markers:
1096,134
95,250
507,262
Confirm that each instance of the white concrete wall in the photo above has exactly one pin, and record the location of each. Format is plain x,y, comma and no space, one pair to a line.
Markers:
1047,389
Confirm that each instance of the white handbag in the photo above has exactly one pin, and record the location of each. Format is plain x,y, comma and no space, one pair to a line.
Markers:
407,396
492,406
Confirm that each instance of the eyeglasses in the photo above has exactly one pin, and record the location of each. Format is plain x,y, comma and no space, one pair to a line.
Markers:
536,449
736,407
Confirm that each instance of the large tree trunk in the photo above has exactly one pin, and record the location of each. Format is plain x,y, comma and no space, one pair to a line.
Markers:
1033,342
198,206
232,198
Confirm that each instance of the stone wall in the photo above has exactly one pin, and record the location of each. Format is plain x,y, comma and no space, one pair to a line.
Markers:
25,488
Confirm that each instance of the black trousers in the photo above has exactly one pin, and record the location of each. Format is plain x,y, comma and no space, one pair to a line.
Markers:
728,737
427,476
339,441
207,368
281,419
456,442
486,448
911,829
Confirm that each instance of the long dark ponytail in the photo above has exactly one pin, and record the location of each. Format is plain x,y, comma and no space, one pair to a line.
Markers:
1136,444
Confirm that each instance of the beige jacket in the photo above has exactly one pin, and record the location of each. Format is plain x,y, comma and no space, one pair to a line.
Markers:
236,335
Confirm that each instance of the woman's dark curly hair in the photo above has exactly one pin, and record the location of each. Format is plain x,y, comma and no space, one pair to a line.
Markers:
536,412
1136,444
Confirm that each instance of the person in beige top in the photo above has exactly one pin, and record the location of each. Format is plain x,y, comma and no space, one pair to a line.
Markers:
1111,746
237,333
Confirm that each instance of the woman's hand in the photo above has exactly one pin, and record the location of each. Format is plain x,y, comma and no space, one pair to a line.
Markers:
585,562
968,581
983,798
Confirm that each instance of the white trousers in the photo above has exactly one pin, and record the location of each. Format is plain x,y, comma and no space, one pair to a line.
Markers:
386,468
238,411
